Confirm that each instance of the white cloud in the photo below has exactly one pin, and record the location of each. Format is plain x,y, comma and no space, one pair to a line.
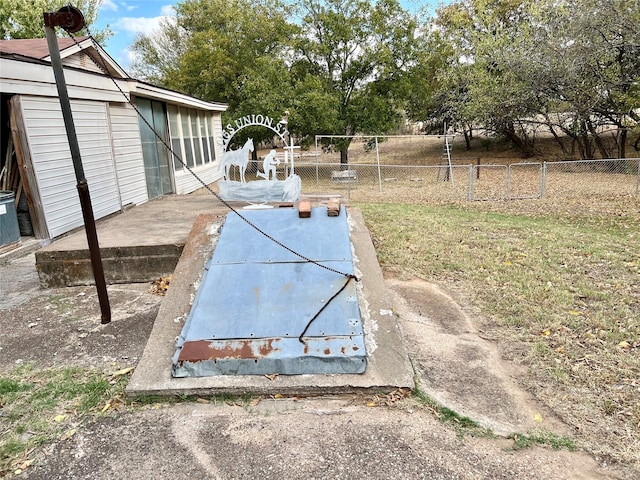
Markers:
168,11
109,5
144,25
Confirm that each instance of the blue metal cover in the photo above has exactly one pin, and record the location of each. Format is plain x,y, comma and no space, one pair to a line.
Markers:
256,298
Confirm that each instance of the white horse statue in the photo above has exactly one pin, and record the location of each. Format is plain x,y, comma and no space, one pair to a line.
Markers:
239,157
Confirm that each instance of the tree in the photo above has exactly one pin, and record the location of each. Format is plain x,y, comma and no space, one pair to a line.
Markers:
20,19
157,54
571,65
351,67
221,50
341,68
475,88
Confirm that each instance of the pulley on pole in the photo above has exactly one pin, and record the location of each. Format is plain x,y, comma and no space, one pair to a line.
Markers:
72,20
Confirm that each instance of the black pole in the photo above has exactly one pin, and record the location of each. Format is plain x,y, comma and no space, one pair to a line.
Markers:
82,186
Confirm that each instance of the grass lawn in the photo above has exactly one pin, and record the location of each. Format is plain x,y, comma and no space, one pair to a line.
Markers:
559,293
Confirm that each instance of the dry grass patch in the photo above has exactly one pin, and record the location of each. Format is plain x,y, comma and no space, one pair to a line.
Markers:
41,406
559,291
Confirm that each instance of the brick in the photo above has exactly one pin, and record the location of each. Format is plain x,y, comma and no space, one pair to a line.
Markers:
304,209
333,208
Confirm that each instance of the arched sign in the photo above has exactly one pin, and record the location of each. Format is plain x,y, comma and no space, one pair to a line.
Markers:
259,120
269,189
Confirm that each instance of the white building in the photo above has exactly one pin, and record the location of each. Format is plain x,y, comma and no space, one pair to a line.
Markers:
124,162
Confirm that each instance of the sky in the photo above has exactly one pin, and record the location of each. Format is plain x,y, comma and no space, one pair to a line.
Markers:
127,18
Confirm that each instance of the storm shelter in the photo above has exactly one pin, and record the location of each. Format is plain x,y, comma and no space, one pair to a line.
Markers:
260,309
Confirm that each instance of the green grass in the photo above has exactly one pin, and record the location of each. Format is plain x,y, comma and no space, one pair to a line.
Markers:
39,406
541,437
229,399
559,292
466,426
463,425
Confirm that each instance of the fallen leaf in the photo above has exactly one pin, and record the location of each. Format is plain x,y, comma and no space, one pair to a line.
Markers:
123,371
59,418
537,418
255,402
105,408
574,312
160,286
624,344
202,400
278,395
24,465
272,377
68,434
371,404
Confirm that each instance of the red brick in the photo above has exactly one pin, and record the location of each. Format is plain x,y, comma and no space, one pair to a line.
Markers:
333,208
304,209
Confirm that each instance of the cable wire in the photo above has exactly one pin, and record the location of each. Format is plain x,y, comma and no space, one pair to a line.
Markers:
190,170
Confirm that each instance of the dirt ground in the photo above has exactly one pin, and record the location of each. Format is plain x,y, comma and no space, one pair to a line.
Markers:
350,436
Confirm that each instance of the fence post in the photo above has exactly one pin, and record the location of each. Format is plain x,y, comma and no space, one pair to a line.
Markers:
470,189
378,159
543,180
507,187
638,181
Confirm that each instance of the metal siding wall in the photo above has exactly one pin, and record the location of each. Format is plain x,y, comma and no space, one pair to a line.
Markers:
53,166
128,154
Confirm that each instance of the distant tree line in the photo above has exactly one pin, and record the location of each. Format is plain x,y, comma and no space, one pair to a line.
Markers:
513,68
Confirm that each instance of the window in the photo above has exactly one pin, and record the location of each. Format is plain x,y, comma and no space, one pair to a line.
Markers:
191,134
153,134
176,135
186,136
212,146
204,136
195,135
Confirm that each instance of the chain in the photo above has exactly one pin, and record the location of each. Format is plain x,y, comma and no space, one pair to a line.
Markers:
105,69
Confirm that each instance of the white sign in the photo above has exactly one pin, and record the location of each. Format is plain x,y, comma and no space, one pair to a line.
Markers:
253,120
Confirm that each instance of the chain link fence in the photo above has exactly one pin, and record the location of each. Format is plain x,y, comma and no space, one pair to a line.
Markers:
441,183
419,168
366,182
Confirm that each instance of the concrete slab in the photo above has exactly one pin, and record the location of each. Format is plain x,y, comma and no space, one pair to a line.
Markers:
388,362
138,245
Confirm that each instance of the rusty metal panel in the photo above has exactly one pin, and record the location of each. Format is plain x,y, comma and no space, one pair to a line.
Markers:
284,356
256,298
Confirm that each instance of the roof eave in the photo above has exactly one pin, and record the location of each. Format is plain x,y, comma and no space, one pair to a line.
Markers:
143,89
